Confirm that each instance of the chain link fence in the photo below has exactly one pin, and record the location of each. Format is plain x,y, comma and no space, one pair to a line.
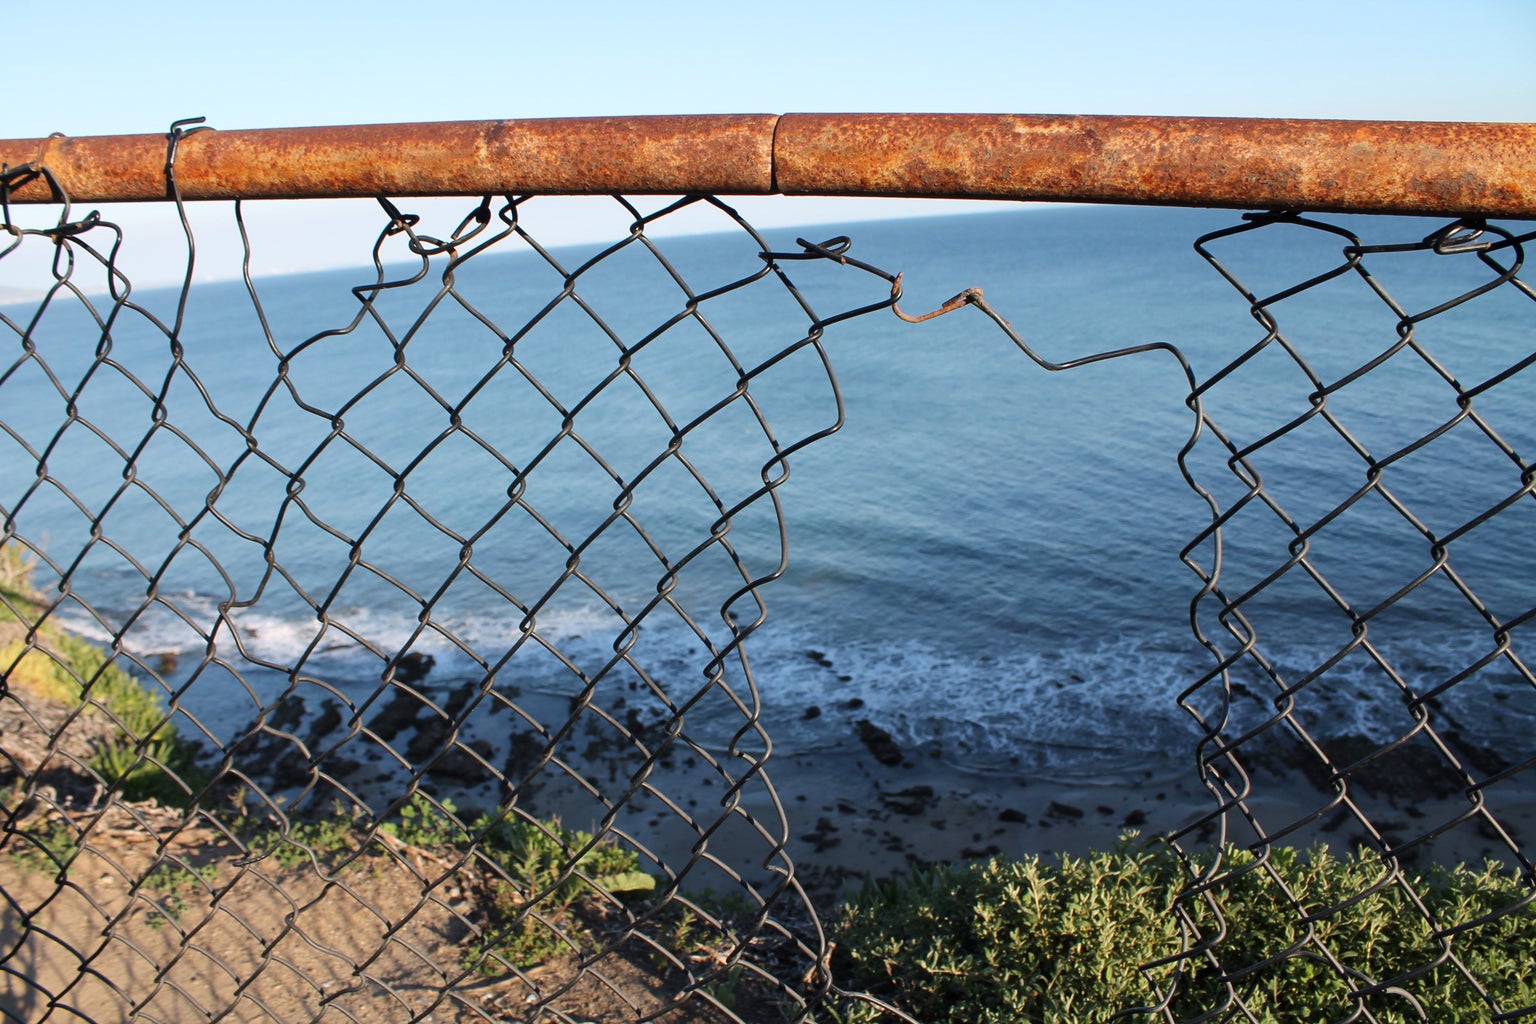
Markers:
1423,775
571,816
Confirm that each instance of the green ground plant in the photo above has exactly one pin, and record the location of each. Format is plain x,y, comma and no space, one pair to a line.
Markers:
325,839
421,823
171,883
539,883
48,846
1032,940
545,882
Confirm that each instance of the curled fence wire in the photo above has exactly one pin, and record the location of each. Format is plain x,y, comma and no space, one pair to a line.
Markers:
1426,768
1424,773
288,851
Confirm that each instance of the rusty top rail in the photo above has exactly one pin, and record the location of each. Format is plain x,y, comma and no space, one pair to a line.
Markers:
1439,168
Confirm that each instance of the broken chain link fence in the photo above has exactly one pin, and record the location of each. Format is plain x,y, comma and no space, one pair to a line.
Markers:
243,836
1424,769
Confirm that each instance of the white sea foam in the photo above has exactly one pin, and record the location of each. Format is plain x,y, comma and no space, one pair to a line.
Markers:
1093,707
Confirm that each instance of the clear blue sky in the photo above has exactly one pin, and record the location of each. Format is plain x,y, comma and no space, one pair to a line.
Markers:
108,68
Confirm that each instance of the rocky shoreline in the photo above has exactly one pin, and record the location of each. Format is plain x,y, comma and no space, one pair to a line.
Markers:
869,808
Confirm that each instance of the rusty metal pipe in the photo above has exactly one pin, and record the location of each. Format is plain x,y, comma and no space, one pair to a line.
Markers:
1341,166
728,153
1438,168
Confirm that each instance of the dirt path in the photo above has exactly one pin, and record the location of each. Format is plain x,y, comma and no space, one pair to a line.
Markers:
208,937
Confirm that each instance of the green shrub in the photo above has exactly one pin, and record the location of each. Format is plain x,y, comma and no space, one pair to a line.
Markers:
152,774
147,757
16,587
142,725
1038,941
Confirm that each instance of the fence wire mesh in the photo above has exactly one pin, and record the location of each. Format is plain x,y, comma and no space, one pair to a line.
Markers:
1423,775
1426,769
289,851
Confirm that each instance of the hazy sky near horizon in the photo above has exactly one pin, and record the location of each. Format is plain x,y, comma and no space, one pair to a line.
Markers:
131,68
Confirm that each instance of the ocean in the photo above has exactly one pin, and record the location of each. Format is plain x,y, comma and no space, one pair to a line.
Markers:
983,561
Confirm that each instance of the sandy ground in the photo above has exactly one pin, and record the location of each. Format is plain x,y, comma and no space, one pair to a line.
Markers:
852,817
383,939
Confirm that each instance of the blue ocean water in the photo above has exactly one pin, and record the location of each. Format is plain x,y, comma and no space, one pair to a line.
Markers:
983,560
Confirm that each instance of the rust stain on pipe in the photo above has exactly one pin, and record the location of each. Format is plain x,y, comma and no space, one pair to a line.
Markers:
1348,166
726,153
1351,166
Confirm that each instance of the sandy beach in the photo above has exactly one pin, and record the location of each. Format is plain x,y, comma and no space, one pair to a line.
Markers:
873,810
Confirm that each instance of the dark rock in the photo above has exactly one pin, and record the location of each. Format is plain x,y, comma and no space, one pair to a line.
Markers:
811,712
338,767
650,733
909,801
1486,830
459,765
991,850
1486,760
1411,771
523,758
429,736
1061,810
1013,816
287,714
820,843
819,658
852,704
399,712
1135,819
322,727
879,742
166,662
412,667
1105,809
287,769
458,697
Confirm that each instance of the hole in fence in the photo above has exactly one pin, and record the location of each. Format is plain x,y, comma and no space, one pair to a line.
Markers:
490,613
